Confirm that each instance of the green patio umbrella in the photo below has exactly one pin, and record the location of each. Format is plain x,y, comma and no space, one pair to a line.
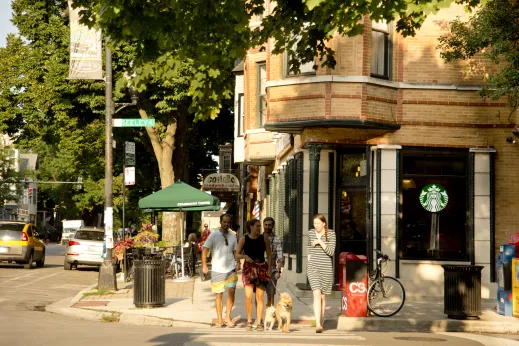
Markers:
180,197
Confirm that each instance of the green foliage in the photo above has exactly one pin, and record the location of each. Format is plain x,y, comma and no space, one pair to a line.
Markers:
10,186
213,34
492,31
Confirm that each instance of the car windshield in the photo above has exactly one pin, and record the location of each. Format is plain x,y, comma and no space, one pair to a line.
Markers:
11,230
8,226
89,235
69,230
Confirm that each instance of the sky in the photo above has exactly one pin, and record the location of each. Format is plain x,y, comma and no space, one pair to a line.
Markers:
6,26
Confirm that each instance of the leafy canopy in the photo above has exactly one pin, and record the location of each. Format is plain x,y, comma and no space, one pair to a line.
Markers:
492,31
213,34
10,179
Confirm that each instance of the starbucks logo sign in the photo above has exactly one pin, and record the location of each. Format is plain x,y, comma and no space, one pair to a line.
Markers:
434,198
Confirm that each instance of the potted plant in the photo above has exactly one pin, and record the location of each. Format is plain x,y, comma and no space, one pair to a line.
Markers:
145,240
121,245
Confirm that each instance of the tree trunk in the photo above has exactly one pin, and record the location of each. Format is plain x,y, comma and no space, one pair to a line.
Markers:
164,149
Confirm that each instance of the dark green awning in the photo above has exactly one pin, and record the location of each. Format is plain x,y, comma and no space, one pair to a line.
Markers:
180,196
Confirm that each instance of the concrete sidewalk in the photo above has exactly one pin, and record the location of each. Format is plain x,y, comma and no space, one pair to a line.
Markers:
192,303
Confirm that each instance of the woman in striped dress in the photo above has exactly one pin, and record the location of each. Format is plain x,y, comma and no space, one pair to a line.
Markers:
321,248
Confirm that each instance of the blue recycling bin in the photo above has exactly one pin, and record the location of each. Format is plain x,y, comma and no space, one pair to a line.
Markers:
504,279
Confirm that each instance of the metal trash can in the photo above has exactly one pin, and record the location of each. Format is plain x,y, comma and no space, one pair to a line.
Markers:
462,291
149,288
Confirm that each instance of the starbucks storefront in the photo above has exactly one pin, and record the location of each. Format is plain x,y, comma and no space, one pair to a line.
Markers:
433,206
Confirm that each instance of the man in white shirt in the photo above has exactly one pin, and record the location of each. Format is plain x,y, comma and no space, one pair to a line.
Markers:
222,244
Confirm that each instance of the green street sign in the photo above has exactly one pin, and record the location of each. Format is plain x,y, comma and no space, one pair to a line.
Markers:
434,198
134,122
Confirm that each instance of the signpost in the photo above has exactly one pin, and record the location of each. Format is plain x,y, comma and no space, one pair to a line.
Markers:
138,122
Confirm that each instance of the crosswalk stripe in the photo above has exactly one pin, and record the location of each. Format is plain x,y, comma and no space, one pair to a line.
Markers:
209,343
282,336
36,280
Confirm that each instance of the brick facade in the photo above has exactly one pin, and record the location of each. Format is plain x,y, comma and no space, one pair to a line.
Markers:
436,105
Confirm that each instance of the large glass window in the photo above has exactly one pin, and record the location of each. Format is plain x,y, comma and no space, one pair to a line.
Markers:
424,234
304,68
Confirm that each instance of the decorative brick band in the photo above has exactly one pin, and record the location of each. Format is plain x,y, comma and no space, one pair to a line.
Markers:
294,98
439,124
346,96
381,99
455,103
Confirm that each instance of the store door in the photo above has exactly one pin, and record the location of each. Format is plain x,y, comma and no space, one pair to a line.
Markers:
352,221
351,213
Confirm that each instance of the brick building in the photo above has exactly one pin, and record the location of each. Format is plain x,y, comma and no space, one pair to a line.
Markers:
359,143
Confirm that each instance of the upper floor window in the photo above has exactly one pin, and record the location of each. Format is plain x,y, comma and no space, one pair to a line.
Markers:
380,49
227,161
261,94
241,115
305,68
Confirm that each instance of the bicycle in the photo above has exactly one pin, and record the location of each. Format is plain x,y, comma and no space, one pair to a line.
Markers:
386,295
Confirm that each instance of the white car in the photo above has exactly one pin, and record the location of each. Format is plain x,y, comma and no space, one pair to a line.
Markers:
85,248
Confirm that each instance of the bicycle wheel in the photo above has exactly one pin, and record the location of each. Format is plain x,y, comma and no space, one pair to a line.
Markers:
389,302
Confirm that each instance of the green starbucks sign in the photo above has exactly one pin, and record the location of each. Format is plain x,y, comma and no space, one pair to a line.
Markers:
434,198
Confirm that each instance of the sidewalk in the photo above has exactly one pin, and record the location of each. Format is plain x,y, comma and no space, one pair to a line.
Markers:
192,303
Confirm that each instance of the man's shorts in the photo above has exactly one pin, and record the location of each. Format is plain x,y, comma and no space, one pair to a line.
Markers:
221,281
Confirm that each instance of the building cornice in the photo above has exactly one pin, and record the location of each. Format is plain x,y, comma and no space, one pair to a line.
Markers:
373,81
299,125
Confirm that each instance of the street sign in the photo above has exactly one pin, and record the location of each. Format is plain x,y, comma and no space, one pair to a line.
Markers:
129,176
133,122
129,153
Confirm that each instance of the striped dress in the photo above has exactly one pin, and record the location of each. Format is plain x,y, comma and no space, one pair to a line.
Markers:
320,266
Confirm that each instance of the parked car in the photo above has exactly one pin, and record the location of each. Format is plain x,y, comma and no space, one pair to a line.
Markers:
85,248
21,243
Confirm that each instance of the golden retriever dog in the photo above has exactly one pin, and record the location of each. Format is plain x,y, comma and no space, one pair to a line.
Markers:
270,318
283,312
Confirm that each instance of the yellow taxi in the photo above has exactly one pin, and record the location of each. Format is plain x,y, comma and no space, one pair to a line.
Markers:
20,243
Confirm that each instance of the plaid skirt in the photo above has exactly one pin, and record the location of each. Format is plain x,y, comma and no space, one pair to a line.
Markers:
255,273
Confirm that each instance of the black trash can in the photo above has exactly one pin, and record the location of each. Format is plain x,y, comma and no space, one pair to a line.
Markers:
149,288
462,291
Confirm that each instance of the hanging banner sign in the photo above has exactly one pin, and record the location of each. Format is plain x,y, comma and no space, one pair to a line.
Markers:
86,60
221,182
434,198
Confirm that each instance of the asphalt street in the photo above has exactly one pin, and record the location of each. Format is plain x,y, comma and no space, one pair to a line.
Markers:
24,294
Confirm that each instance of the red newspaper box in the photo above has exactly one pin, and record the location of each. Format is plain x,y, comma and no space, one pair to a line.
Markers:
353,283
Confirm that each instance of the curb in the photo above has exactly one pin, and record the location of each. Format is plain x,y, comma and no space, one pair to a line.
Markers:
411,325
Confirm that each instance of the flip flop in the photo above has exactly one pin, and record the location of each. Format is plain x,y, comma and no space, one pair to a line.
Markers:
229,324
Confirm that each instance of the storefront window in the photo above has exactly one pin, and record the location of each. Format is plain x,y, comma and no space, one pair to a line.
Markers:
428,235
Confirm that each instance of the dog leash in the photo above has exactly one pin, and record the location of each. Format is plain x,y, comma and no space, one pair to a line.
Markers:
273,284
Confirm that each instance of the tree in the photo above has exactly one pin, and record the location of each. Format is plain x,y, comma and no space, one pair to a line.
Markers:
63,120
10,178
493,33
213,34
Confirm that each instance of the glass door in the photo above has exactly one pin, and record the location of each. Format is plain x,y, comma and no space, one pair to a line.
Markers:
352,221
352,214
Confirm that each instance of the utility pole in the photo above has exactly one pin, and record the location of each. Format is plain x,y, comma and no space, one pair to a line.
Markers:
107,278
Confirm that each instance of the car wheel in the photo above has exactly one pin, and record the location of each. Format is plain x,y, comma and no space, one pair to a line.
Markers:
41,262
67,266
28,265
